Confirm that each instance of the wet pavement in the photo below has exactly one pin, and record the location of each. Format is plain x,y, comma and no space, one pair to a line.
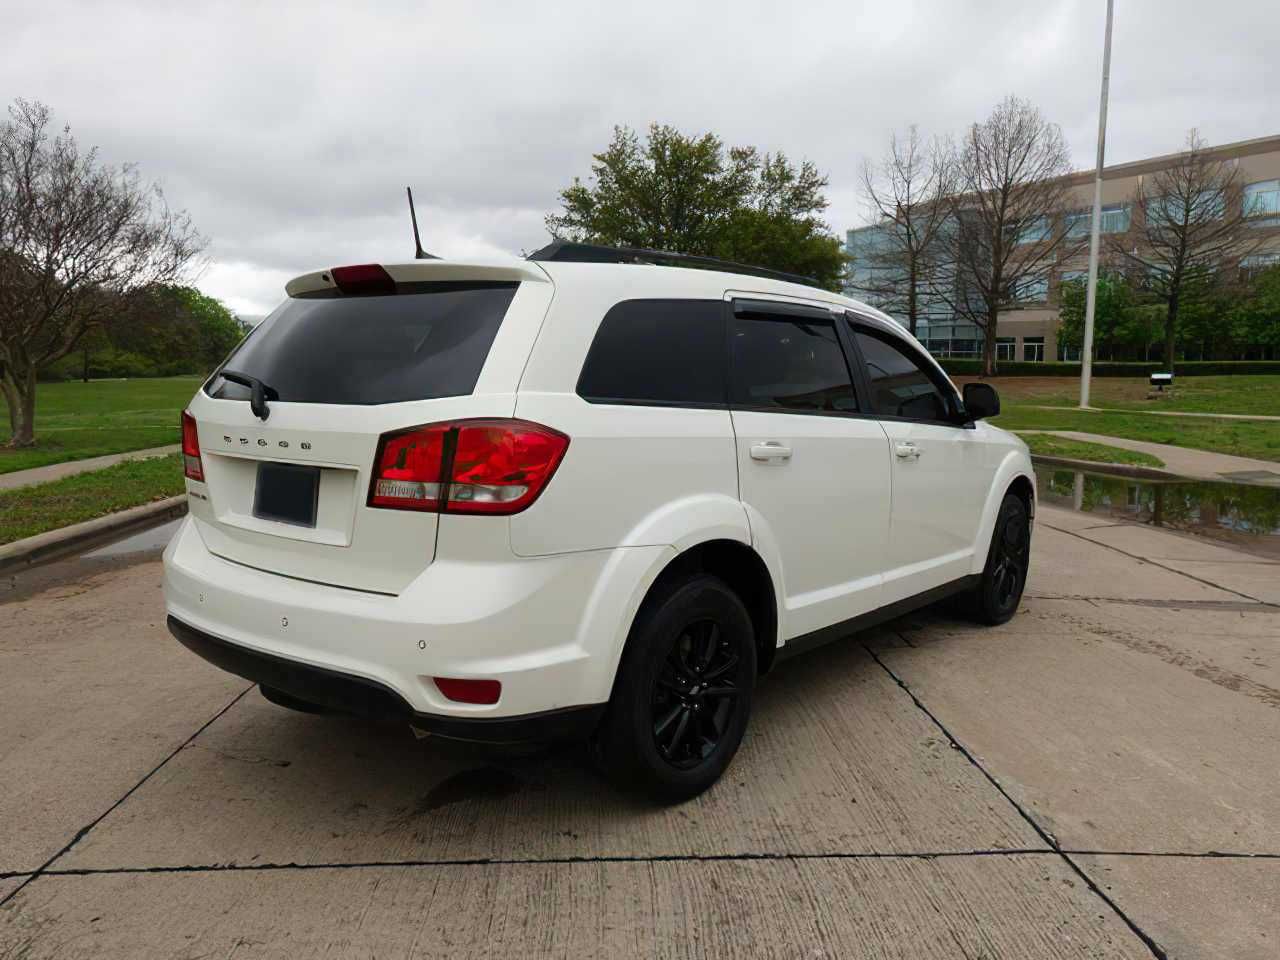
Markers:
152,540
1093,779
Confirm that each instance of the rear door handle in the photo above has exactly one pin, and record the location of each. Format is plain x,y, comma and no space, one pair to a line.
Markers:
906,450
770,450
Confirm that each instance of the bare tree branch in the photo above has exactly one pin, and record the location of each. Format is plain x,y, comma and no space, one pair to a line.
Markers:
76,238
904,192
1189,223
1003,234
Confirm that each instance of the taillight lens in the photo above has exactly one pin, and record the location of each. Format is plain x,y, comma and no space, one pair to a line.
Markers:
500,466
407,475
191,464
470,466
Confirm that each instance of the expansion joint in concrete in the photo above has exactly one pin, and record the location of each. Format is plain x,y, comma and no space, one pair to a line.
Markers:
1050,840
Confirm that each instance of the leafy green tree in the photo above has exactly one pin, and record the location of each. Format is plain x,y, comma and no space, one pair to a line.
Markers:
688,194
1112,306
1143,327
160,331
168,329
1257,314
1207,327
217,329
92,345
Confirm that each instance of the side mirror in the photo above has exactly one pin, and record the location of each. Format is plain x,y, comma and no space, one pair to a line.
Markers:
981,401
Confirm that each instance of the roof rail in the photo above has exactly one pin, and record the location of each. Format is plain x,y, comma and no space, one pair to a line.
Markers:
568,251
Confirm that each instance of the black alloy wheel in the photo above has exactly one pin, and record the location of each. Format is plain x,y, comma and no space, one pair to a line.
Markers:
694,694
682,698
1012,553
995,599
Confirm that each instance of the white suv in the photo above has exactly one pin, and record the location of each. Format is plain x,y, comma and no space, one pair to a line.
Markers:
561,497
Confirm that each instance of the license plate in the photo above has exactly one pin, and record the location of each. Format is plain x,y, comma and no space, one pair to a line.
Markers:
287,493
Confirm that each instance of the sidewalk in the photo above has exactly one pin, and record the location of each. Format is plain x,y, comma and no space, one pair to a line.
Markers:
1195,464
1161,413
56,471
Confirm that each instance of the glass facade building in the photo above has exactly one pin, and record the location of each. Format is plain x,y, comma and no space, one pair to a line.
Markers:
876,277
1029,322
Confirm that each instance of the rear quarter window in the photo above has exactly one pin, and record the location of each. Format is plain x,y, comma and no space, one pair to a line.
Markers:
658,353
426,342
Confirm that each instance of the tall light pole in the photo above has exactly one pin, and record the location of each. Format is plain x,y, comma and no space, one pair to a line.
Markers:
1086,358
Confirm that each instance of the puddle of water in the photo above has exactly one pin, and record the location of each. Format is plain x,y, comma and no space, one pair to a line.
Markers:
141,547
1239,515
153,538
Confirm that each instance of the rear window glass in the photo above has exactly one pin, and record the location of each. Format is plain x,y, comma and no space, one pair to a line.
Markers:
431,342
658,352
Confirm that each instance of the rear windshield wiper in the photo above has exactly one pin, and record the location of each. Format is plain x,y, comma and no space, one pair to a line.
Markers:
261,392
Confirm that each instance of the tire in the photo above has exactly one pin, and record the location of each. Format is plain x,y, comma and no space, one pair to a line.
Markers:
995,600
289,702
669,733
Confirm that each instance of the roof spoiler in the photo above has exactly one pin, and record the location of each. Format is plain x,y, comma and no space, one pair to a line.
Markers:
504,270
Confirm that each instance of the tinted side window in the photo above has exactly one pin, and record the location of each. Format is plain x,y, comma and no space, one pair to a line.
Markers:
900,387
658,352
787,362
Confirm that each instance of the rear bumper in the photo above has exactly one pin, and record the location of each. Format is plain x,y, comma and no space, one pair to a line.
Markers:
368,698
549,629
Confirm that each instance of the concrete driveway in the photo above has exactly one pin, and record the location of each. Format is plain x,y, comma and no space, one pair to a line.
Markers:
1098,778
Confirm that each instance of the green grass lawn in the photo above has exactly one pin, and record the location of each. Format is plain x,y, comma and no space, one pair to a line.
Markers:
1244,438
1257,395
46,506
1050,446
77,420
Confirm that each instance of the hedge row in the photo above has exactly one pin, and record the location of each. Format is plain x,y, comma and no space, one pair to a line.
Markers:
1187,368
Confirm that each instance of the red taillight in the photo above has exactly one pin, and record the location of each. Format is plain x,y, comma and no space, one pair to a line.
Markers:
469,691
477,466
407,473
369,279
191,465
500,466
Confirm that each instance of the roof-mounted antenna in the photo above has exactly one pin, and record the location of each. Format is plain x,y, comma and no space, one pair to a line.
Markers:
418,252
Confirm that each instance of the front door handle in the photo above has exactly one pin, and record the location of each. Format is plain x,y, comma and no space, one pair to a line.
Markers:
906,450
770,450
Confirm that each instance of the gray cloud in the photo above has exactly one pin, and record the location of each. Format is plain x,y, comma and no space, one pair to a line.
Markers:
289,130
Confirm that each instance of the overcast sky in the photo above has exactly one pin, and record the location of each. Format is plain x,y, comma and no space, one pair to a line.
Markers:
289,131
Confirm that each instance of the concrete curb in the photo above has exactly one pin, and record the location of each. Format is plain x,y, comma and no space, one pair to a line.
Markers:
1112,469
57,544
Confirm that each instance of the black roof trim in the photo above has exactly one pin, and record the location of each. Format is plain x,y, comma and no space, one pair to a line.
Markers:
568,251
